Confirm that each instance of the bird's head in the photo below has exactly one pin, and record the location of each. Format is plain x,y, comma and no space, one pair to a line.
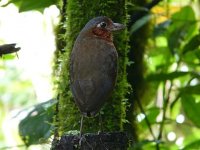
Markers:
102,27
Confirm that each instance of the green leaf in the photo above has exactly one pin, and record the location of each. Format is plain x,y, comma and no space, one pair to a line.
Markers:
176,37
185,14
9,56
161,28
192,58
191,108
166,76
27,5
191,89
182,28
152,114
193,44
141,144
133,7
139,23
36,127
193,145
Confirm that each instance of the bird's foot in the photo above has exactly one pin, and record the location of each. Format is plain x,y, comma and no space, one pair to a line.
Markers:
82,139
100,132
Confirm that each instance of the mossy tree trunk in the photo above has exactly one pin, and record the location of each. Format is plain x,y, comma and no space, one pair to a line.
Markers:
79,12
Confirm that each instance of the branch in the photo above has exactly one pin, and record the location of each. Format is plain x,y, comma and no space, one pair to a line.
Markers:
179,94
8,48
93,141
165,105
146,119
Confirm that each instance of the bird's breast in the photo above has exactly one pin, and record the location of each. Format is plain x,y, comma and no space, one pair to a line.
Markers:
103,34
93,71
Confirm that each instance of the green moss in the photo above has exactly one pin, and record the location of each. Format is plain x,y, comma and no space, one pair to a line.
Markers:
79,12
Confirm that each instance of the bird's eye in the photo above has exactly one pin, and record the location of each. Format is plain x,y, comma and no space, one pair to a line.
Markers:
102,25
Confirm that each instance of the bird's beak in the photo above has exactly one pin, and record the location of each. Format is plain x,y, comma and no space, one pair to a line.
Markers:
117,26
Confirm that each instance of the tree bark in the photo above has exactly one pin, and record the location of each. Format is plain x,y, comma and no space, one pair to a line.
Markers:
136,70
101,141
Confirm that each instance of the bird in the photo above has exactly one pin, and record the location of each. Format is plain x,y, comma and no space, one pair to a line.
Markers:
93,65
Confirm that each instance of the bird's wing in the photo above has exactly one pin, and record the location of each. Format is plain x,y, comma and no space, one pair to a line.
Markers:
83,89
93,72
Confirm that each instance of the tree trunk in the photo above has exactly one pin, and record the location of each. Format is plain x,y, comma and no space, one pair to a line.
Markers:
135,71
102,141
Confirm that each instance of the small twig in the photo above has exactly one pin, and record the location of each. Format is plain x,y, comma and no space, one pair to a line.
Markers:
146,118
179,94
165,105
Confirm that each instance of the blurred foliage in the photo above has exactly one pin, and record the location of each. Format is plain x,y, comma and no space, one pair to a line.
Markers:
173,80
36,127
27,5
140,23
172,76
16,90
12,84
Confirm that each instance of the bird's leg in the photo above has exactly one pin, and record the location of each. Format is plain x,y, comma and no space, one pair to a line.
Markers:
81,128
81,136
100,123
